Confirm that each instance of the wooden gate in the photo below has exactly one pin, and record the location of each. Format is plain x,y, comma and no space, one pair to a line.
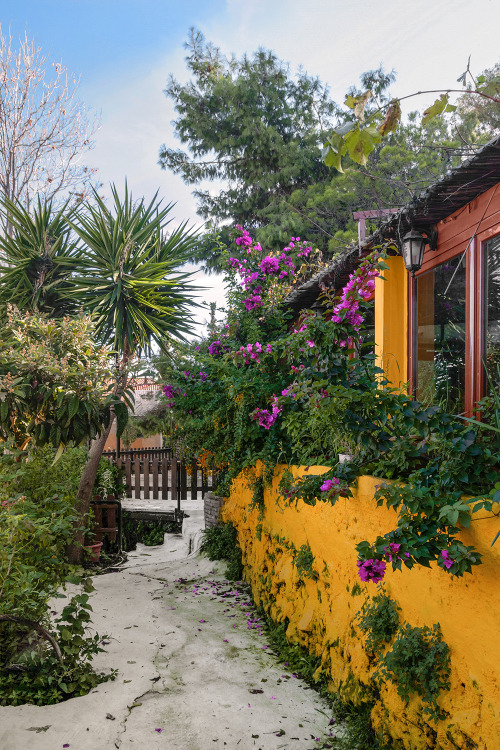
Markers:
154,474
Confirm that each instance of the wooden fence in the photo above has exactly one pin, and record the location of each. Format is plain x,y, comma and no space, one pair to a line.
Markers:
161,477
140,453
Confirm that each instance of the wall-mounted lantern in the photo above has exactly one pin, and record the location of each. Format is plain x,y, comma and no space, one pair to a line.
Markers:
412,250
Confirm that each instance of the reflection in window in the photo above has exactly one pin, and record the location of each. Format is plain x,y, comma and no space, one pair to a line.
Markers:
441,336
492,312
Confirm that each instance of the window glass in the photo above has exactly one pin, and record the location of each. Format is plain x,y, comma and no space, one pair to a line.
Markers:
492,312
441,295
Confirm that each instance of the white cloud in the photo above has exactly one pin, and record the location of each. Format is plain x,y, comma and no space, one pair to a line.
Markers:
427,42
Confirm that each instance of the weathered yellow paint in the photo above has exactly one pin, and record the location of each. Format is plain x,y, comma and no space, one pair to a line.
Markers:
321,613
391,321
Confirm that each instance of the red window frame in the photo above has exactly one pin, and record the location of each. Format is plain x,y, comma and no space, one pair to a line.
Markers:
475,253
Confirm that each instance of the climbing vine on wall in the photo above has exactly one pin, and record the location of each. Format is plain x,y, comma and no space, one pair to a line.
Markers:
255,389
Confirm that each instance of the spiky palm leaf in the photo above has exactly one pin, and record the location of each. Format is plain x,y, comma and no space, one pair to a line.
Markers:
128,275
36,262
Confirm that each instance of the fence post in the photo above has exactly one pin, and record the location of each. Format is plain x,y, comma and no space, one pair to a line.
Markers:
164,478
194,479
137,477
175,488
183,482
146,477
128,475
154,469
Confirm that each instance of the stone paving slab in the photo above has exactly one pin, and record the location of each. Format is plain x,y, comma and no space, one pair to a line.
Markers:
189,652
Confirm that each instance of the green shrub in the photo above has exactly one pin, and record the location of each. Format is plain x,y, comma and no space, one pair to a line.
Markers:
33,565
221,543
35,529
38,477
379,619
419,662
150,533
30,671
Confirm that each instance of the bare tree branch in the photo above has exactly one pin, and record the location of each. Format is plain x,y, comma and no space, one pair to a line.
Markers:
44,128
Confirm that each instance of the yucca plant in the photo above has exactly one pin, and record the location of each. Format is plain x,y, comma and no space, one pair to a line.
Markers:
37,259
129,277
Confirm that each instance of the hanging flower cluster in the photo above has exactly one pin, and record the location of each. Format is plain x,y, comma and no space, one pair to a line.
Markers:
170,393
392,552
446,560
256,270
360,286
250,353
267,418
358,289
217,348
371,570
333,488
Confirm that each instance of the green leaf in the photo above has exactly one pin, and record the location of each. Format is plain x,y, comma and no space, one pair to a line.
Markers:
345,128
333,159
4,410
361,142
358,104
59,453
335,150
75,579
65,634
121,412
437,108
74,402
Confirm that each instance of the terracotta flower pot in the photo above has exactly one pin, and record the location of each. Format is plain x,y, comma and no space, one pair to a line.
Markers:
93,551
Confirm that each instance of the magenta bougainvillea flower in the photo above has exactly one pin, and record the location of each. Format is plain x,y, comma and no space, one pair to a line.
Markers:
446,560
269,265
253,301
265,418
215,348
371,570
330,484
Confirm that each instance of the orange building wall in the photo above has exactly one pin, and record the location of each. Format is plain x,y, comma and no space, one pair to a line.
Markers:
322,613
154,441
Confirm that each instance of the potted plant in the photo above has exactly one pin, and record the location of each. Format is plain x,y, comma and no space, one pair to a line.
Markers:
91,546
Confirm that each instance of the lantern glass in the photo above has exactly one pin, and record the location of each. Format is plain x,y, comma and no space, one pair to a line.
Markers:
413,246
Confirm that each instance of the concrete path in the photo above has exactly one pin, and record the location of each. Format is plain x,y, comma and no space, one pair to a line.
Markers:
194,671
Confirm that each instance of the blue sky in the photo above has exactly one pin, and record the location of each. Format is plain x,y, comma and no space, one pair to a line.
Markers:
124,50
96,37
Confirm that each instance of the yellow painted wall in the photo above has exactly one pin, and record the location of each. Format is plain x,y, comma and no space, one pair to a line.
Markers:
321,613
391,320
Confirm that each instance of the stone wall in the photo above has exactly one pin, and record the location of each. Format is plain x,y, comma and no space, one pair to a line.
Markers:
212,506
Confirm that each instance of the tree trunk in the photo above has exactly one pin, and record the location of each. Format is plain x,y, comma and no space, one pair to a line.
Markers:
87,481
84,494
